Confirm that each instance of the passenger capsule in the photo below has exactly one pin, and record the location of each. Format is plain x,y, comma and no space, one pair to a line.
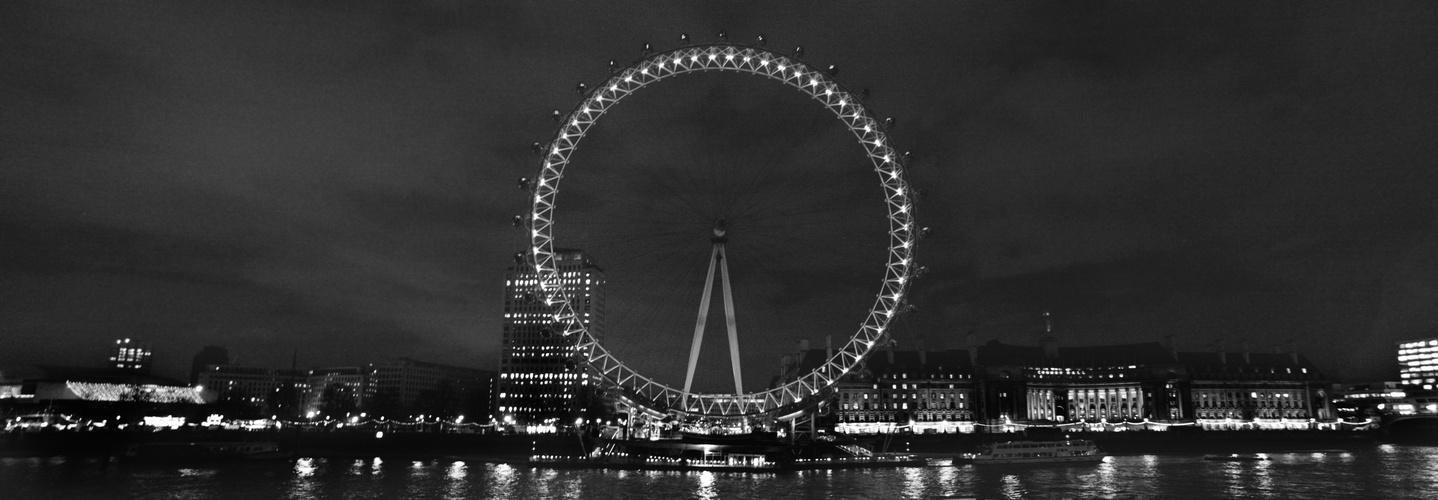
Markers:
518,220
556,115
684,39
519,260
524,182
888,123
723,36
536,148
646,49
799,51
833,70
581,88
761,40
864,93
613,66
924,232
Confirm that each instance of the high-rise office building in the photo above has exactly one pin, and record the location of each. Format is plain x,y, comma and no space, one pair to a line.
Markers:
131,355
542,380
1418,362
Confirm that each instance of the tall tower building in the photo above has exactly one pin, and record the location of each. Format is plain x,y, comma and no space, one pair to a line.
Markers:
131,355
1418,362
542,380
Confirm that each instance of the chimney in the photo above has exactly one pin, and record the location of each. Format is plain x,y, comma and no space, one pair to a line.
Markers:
1172,345
1051,345
1292,352
972,345
1222,355
923,352
1246,359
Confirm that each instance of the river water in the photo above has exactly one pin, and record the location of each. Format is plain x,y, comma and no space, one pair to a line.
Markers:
1382,471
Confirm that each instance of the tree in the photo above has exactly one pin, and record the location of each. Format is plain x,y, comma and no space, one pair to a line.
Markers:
382,404
337,401
283,401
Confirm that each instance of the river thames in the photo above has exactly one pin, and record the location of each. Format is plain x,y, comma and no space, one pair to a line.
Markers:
1381,471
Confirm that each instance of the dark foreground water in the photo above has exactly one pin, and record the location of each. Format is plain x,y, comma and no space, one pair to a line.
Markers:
1383,471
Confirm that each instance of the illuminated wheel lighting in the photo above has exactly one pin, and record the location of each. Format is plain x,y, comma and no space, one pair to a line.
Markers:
804,389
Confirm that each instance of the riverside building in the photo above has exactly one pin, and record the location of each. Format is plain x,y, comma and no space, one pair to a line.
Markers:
998,387
542,381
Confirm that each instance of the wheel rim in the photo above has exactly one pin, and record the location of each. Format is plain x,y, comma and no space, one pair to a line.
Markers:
793,396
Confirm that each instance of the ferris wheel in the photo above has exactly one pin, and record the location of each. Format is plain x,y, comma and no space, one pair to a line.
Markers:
798,392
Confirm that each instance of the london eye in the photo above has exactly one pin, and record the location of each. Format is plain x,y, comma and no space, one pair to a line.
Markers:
746,212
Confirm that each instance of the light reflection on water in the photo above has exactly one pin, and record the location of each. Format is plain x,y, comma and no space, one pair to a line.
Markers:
1012,486
1392,472
304,486
706,486
914,481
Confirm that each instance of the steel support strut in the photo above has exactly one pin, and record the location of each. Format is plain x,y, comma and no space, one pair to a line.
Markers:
716,258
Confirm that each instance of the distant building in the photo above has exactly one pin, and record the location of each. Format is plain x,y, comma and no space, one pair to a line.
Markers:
210,355
405,388
130,355
1418,362
998,387
922,391
542,379
1256,390
335,392
93,391
1090,384
1355,402
261,390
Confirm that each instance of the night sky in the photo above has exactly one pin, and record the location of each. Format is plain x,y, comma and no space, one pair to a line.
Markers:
337,178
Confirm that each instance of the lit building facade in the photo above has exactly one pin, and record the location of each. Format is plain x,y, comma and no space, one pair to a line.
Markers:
998,387
1247,390
1049,384
131,355
542,379
926,392
1418,362
76,389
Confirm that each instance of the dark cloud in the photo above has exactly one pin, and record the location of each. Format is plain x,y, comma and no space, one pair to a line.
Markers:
338,177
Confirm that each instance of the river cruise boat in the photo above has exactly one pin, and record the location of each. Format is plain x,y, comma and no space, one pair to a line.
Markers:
1038,452
1237,457
207,451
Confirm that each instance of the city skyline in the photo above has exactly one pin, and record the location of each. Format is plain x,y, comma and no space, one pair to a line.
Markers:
340,180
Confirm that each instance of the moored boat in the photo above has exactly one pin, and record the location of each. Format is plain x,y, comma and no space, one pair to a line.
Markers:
1038,452
207,451
1237,457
